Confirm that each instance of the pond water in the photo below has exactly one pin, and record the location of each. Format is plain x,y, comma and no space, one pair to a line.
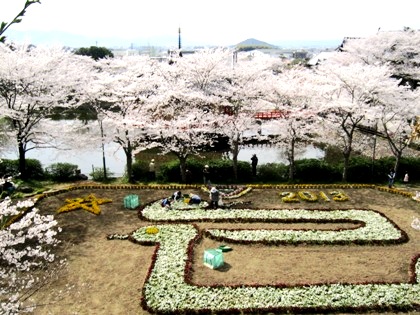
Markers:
85,159
277,155
115,157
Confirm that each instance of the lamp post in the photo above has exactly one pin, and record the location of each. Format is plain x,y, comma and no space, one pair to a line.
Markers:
100,119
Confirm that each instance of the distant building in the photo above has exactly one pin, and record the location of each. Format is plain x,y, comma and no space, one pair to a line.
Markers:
324,55
345,40
300,54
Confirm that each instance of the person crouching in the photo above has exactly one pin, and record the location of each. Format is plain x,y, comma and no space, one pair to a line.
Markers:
214,197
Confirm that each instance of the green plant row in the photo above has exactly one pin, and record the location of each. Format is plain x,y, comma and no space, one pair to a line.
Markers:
361,170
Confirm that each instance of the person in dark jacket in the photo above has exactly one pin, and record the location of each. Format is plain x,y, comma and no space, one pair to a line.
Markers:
254,163
391,178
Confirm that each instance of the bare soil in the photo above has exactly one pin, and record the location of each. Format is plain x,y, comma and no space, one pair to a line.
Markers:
106,277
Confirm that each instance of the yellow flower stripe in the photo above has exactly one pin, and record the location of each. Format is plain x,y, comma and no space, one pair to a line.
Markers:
307,196
89,203
250,186
324,196
289,197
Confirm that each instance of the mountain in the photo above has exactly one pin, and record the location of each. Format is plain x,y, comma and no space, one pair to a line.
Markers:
252,42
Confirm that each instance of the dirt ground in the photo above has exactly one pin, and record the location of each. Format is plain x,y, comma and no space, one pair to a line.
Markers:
106,277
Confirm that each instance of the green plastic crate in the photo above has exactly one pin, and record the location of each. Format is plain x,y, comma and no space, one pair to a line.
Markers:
213,258
131,201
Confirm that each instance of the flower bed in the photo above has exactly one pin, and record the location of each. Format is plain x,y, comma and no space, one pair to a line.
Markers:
168,288
240,191
230,191
374,225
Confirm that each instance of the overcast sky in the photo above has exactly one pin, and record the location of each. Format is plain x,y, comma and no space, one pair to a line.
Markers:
109,23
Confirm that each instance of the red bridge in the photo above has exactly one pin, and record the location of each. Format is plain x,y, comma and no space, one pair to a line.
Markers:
274,114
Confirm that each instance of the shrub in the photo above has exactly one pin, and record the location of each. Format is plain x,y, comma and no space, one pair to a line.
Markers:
360,170
272,172
62,172
410,165
313,170
34,168
196,169
140,170
97,174
244,171
169,172
221,171
9,167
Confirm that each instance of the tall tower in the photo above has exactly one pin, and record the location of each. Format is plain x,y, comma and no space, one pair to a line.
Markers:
179,38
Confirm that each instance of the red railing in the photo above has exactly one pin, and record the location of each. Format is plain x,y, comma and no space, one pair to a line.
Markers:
274,114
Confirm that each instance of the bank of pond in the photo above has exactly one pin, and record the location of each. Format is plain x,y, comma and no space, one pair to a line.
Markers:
361,170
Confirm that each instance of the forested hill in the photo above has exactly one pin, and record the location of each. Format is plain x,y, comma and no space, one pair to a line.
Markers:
253,43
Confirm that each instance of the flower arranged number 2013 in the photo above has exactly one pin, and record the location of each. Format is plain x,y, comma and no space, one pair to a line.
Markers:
310,196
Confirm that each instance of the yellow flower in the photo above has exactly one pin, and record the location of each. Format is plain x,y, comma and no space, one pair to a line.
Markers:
307,196
152,230
89,203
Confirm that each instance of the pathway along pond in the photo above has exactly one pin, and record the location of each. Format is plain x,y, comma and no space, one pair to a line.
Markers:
115,157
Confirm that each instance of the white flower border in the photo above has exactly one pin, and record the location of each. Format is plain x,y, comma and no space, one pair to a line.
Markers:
166,290
376,227
237,193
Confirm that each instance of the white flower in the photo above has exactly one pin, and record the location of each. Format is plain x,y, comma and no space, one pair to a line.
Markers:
166,290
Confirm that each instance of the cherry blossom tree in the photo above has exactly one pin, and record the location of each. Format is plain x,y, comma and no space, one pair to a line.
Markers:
26,242
292,92
398,49
397,121
188,132
357,92
241,96
183,117
127,85
33,82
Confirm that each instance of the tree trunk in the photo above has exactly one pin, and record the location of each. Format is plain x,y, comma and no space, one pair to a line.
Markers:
103,148
349,131
346,155
129,156
397,162
291,158
183,167
235,152
22,161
